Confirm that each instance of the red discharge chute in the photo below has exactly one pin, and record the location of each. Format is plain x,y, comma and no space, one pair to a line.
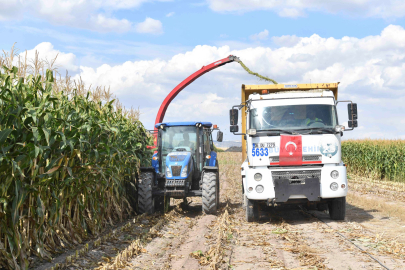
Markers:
290,150
163,107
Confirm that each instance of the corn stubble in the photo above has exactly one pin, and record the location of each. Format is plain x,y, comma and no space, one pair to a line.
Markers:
69,157
382,159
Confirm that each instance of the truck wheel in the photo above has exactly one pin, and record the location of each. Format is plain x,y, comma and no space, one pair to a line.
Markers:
337,208
252,210
209,193
145,200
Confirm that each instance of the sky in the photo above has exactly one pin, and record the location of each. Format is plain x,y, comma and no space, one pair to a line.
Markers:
142,49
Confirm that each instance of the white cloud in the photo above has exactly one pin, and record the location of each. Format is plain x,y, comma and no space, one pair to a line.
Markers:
9,9
150,26
370,70
95,15
170,14
260,36
286,41
297,8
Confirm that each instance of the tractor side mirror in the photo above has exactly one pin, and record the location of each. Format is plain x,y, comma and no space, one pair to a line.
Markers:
220,136
233,117
352,111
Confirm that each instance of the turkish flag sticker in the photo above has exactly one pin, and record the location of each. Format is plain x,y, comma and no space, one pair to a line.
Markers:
290,150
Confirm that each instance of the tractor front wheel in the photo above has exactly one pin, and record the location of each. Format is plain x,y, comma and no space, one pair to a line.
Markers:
145,199
210,193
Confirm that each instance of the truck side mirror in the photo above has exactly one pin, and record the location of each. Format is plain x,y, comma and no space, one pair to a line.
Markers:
233,117
220,136
352,111
234,128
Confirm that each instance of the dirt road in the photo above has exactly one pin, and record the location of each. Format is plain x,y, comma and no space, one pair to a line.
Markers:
283,238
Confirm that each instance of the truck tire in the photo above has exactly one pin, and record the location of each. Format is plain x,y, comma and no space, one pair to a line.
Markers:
145,199
337,208
252,210
209,193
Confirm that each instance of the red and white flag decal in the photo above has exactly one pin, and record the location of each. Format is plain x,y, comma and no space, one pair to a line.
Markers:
290,150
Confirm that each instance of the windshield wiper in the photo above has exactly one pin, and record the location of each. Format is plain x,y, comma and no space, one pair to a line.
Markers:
275,132
319,130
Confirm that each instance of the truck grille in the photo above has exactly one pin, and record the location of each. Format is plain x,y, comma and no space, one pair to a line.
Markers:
176,170
296,175
304,158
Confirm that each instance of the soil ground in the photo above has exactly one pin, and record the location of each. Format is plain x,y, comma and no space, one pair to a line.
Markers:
286,237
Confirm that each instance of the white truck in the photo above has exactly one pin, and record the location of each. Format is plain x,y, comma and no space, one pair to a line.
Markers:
291,147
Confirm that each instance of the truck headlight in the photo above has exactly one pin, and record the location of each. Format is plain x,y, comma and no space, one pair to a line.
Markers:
168,172
184,172
259,189
257,176
251,131
334,174
334,186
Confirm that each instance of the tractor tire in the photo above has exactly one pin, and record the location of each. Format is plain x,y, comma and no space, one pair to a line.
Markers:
219,186
337,209
218,189
159,204
209,193
252,210
145,199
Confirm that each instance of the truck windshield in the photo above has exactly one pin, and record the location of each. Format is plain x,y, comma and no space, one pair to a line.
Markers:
293,117
178,138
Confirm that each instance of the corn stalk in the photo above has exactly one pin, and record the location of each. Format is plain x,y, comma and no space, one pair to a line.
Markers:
66,162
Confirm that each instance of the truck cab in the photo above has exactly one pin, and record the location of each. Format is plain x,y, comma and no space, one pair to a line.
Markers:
292,149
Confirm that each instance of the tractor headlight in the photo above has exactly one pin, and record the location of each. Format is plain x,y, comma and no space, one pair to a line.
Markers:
168,172
184,172
257,176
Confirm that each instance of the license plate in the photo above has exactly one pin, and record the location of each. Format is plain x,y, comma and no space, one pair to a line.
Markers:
264,145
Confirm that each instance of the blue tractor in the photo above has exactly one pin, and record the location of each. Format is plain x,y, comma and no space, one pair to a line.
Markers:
185,165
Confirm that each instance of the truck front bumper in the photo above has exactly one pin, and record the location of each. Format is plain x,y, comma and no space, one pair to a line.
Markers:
312,187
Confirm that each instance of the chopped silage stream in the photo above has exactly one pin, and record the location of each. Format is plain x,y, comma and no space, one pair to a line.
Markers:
283,238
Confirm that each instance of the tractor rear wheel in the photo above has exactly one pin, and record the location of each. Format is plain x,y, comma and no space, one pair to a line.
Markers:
218,189
337,208
209,193
145,199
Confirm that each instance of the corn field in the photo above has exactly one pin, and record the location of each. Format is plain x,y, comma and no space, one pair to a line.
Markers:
68,161
384,159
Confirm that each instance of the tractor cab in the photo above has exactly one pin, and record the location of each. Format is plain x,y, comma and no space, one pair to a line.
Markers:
185,156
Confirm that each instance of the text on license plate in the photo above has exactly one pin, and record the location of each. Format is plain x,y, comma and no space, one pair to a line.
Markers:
264,145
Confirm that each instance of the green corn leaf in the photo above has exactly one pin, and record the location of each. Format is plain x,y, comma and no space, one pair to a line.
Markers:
4,135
